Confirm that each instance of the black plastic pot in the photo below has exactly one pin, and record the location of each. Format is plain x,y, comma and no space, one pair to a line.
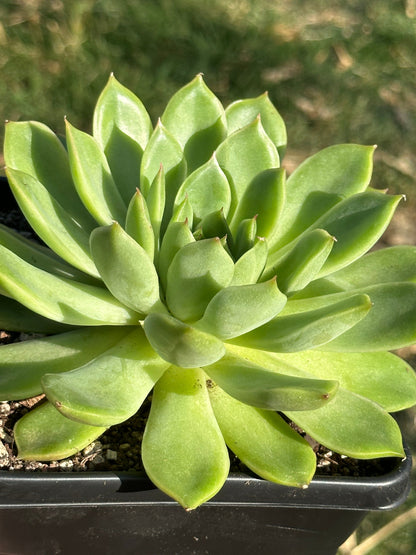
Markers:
108,513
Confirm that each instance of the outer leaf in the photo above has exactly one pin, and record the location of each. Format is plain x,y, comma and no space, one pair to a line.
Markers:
40,256
138,224
243,155
125,268
207,189
264,197
16,317
23,364
34,149
389,265
267,389
370,433
181,344
309,329
319,183
111,388
117,107
43,434
250,265
197,272
183,450
177,236
236,310
58,298
92,177
263,441
122,127
163,150
51,222
391,323
356,223
304,261
196,118
243,112
384,378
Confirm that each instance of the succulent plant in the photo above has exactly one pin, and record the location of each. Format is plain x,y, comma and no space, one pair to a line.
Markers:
179,262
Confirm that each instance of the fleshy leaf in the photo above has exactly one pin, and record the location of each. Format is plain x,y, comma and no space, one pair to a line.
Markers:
250,265
196,118
155,202
370,434
389,265
59,298
264,198
356,223
391,324
177,236
163,150
265,443
268,389
122,127
308,329
207,189
110,388
16,317
319,183
243,112
236,310
382,377
43,434
138,224
215,225
126,268
181,344
51,221
92,177
197,272
23,364
32,148
243,155
304,261
245,237
41,256
183,450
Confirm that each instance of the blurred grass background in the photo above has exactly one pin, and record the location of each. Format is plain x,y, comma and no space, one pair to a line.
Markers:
340,71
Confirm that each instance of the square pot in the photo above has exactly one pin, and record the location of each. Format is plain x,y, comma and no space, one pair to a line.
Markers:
106,513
